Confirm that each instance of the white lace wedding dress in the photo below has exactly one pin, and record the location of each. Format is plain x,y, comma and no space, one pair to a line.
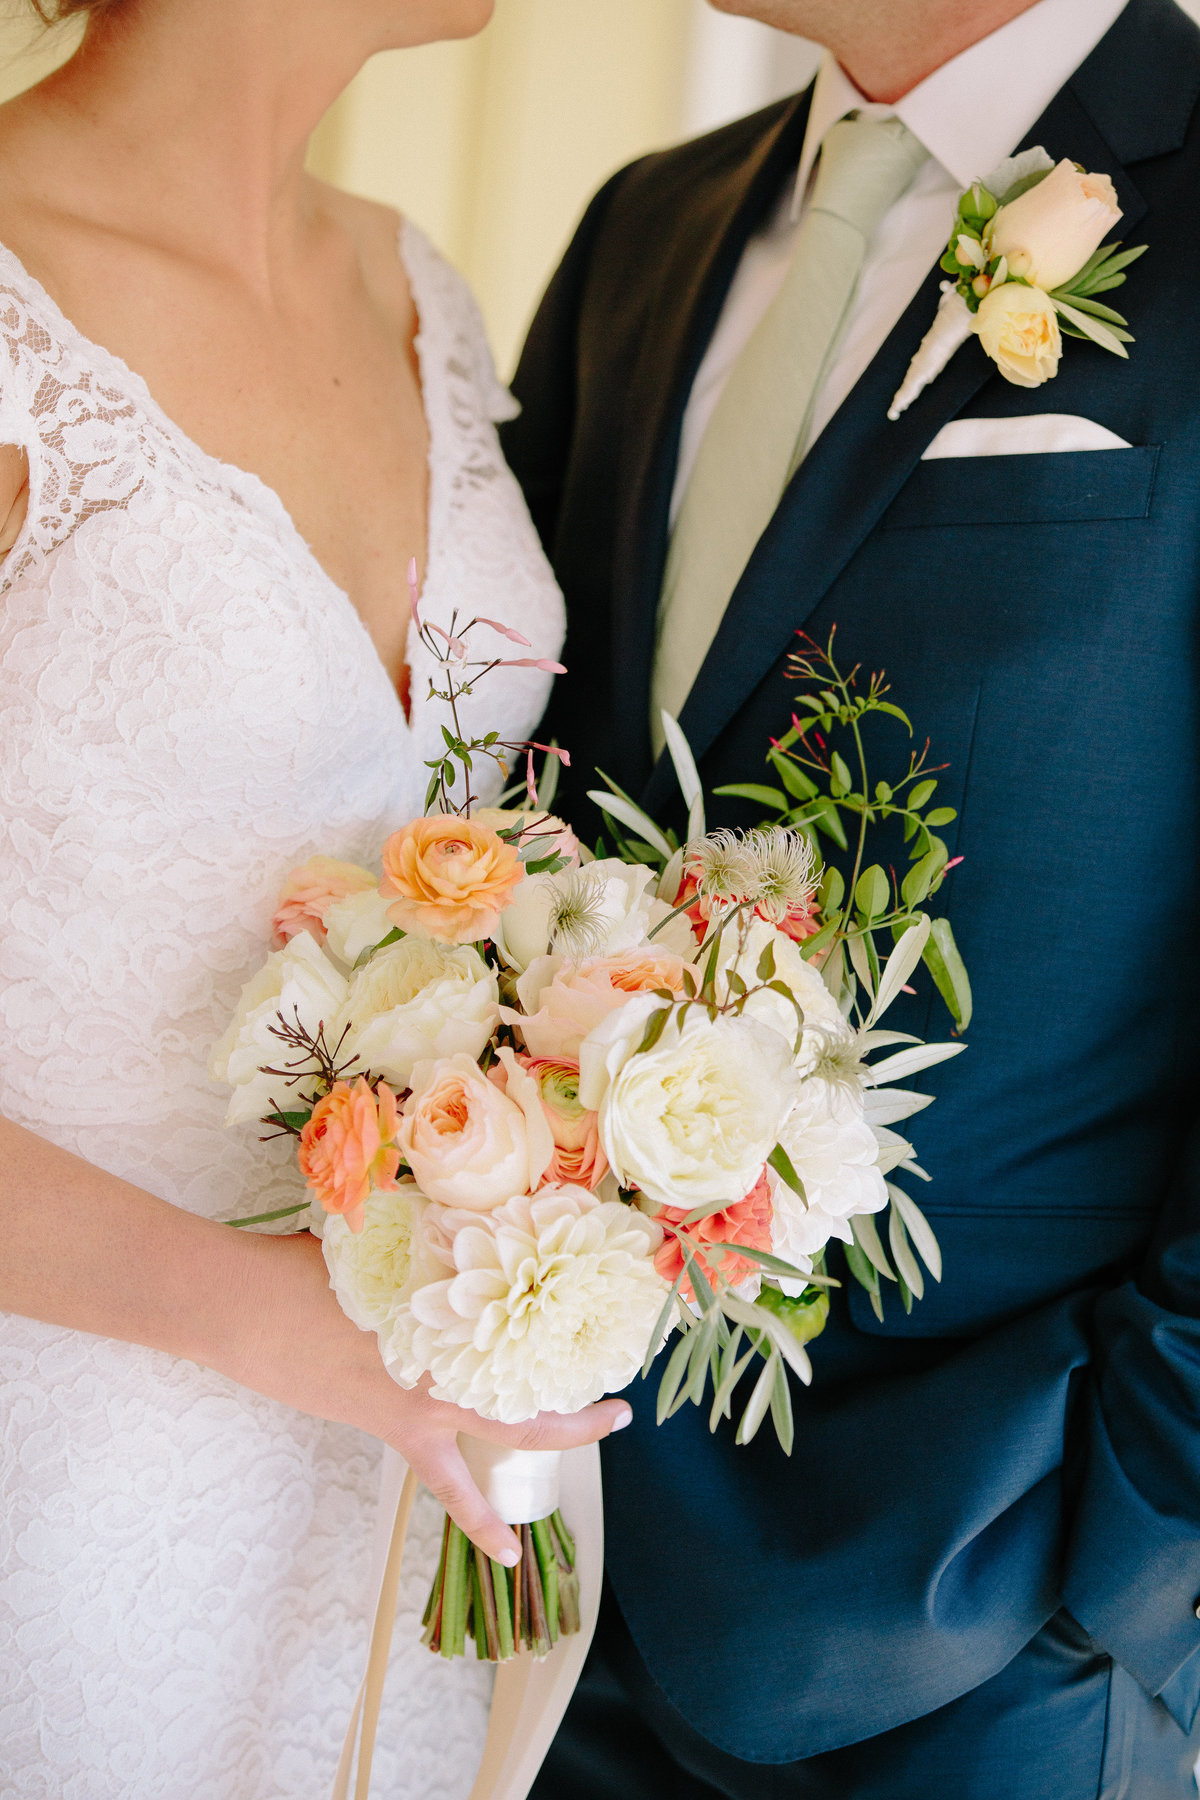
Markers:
189,707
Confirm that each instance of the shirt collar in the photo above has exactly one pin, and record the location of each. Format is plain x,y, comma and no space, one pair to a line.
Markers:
973,112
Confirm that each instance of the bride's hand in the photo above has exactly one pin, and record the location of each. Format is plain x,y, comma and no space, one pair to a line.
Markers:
85,1249
302,1349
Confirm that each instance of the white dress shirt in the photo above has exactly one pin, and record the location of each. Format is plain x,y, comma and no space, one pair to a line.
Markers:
970,114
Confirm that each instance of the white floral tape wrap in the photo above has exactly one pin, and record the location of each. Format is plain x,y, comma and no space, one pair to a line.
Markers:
530,1694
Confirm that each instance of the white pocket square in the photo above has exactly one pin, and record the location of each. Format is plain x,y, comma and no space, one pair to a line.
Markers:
1036,434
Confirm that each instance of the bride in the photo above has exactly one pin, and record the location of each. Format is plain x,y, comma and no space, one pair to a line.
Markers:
233,403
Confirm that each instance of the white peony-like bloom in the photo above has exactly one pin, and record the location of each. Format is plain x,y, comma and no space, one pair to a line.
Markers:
417,1001
298,982
695,1118
551,1305
357,923
602,909
374,1271
824,1026
834,1152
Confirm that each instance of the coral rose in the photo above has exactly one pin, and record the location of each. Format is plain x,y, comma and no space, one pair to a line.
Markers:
747,1222
564,1001
348,1148
448,877
310,891
578,1160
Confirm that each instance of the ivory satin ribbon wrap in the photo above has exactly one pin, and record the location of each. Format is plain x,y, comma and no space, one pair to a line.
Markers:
530,1695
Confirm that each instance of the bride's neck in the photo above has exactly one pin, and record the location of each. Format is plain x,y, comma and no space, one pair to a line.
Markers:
187,121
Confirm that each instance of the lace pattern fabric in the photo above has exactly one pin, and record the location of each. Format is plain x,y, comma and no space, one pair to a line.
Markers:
191,707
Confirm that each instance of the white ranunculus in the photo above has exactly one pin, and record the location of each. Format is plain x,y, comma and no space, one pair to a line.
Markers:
603,909
373,1271
417,1001
1052,229
298,982
551,1306
695,1118
824,1026
834,1152
357,923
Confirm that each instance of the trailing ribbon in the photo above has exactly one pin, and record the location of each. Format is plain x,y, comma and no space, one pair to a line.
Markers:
531,1694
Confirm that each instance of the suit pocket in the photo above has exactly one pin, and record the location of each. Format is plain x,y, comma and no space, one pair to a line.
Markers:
1061,488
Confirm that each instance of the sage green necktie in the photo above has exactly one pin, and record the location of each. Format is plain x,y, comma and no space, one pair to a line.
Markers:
758,432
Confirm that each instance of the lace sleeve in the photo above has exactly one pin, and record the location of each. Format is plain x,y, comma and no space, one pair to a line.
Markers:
460,315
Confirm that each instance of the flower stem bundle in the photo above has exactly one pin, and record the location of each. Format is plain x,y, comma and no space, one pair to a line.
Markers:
502,1609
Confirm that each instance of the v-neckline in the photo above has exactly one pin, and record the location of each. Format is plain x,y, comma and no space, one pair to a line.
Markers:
251,489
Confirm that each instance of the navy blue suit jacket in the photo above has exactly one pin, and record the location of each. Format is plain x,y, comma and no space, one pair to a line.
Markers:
1030,1436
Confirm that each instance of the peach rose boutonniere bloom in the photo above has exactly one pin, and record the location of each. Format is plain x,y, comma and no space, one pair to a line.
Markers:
348,1148
1028,261
310,891
448,877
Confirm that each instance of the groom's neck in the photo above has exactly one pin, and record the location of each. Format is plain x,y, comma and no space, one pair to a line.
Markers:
885,46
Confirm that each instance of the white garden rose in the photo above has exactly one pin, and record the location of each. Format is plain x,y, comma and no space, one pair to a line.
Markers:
1051,230
1018,328
298,982
695,1118
551,1306
470,1143
416,1001
357,923
373,1271
824,1026
602,909
835,1153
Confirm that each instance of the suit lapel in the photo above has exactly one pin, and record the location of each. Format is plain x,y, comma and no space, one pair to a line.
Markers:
714,220
861,461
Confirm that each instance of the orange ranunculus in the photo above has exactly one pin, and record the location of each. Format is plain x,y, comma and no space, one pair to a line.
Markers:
310,891
348,1149
747,1221
451,878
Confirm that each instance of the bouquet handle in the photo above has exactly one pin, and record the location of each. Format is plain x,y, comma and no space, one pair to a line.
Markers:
530,1696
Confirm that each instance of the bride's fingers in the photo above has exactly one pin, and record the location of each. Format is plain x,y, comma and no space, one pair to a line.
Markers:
556,1431
440,1466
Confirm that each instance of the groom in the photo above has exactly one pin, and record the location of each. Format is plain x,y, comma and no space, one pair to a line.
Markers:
978,1575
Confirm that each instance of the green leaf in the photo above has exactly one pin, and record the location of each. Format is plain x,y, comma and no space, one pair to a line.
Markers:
941,815
655,1026
949,972
872,892
364,956
797,783
883,792
668,1307
632,815
284,1212
885,706
732,1370
760,1399
921,794
827,819
812,946
831,890
766,963
908,1267
923,875
685,773
1100,334
781,1410
754,790
290,1121
1097,310
775,1264
900,965
866,1236
860,961
673,1374
840,782
919,1229
781,1162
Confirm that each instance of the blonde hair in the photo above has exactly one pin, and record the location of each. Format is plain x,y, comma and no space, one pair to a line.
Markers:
52,12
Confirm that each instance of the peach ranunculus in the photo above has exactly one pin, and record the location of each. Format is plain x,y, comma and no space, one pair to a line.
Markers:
564,1001
578,1160
310,891
747,1221
468,1143
448,877
348,1148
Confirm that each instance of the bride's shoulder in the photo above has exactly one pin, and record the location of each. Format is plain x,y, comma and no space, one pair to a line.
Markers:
438,300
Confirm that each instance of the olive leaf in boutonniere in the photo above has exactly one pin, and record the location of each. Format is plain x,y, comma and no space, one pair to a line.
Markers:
1028,260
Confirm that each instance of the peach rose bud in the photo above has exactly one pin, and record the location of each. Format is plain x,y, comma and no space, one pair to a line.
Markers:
448,877
348,1148
1054,228
310,891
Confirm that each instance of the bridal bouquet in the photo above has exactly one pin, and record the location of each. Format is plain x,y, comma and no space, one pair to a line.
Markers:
552,1111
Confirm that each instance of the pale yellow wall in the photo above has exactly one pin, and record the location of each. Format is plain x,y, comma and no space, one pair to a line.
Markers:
493,146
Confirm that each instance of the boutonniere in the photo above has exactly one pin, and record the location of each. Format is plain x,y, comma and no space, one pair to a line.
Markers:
1028,258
